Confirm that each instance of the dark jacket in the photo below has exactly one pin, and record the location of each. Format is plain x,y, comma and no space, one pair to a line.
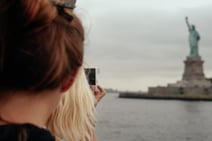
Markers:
24,132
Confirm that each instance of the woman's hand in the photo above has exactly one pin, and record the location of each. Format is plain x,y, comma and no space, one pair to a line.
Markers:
99,93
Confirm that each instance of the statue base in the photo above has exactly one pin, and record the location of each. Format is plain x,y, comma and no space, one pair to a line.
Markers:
193,75
193,80
193,69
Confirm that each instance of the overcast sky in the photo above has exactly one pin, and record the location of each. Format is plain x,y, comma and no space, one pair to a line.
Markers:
140,43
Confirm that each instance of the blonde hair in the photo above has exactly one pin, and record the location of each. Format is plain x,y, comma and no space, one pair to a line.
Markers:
73,120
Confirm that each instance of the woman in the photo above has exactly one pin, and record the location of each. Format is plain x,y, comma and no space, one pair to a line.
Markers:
41,52
74,118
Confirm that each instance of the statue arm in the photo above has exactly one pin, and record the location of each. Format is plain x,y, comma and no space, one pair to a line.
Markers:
187,23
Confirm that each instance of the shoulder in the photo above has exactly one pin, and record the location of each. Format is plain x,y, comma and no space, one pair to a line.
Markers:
28,132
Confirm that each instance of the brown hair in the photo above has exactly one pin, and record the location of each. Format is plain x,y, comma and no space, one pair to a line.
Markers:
38,47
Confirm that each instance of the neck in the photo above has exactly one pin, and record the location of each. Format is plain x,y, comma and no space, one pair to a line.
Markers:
28,107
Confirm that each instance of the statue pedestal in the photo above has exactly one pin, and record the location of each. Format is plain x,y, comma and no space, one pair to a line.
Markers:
193,69
193,75
193,80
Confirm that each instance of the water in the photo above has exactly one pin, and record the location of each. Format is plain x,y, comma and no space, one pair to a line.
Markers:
153,120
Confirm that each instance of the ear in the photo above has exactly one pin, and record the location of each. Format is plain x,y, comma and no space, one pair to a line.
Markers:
67,83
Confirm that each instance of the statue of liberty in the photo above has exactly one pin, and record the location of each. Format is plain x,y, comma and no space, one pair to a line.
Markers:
194,37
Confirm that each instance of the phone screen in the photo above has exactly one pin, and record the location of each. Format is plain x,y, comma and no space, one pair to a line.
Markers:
91,75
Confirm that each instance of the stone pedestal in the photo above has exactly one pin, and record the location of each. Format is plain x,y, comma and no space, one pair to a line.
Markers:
193,75
193,80
193,69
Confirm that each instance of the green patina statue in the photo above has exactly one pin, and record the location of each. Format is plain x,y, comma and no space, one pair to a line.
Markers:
194,37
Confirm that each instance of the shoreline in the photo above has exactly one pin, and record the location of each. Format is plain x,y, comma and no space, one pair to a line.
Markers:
184,97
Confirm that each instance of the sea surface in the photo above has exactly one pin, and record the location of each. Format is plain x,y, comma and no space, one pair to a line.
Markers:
153,120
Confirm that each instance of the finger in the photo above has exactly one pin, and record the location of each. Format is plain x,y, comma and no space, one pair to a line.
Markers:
101,90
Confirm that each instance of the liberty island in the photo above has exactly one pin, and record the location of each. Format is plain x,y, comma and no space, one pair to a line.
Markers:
193,85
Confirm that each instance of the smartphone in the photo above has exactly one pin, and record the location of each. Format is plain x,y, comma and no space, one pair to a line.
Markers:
91,75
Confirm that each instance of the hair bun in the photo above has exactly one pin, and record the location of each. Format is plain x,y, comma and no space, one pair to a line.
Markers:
38,47
38,11
24,14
